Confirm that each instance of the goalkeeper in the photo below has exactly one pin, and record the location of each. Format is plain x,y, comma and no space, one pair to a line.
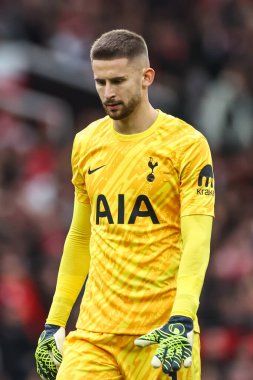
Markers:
141,228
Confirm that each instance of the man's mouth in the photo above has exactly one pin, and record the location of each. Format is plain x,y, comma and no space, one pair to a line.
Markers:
112,106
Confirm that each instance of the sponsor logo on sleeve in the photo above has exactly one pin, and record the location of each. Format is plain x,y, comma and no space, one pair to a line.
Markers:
206,181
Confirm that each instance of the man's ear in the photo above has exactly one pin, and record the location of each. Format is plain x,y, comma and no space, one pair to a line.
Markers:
148,77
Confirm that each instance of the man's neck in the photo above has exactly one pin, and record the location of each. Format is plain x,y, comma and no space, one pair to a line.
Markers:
139,120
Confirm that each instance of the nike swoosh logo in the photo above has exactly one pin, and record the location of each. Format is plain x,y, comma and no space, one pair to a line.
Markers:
94,170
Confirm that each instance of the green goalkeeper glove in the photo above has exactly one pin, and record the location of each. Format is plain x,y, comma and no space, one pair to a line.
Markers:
175,340
48,354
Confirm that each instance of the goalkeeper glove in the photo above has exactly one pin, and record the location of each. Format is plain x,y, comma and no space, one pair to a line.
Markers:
175,340
48,354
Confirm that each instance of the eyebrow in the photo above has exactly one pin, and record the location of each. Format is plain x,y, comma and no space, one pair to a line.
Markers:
111,80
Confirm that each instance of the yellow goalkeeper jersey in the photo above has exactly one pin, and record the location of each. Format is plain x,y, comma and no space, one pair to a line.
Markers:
138,186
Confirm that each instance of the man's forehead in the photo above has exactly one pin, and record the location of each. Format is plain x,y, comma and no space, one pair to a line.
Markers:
115,66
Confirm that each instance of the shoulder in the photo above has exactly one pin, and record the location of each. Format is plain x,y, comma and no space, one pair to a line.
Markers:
95,128
178,129
181,140
178,134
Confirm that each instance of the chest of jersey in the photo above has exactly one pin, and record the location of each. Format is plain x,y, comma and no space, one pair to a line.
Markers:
131,182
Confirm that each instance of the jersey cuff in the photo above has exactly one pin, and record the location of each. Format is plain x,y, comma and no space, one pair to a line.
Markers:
185,305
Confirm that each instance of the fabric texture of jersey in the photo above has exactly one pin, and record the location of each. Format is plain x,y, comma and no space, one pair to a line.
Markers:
139,186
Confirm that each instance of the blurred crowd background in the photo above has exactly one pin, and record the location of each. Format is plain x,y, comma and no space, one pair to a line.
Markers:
202,51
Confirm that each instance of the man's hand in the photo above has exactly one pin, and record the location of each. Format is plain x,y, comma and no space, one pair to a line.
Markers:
175,341
48,354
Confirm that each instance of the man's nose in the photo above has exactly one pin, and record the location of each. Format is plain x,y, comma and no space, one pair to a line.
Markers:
109,91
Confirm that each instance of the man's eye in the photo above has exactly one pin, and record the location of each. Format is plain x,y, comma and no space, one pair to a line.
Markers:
117,81
100,82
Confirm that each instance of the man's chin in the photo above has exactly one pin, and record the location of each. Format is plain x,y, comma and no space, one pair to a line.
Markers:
116,115
119,114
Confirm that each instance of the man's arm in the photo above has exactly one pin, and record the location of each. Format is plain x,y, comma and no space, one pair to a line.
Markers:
73,270
196,235
175,338
74,265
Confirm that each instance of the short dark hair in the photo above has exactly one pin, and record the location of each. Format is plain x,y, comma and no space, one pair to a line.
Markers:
118,43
